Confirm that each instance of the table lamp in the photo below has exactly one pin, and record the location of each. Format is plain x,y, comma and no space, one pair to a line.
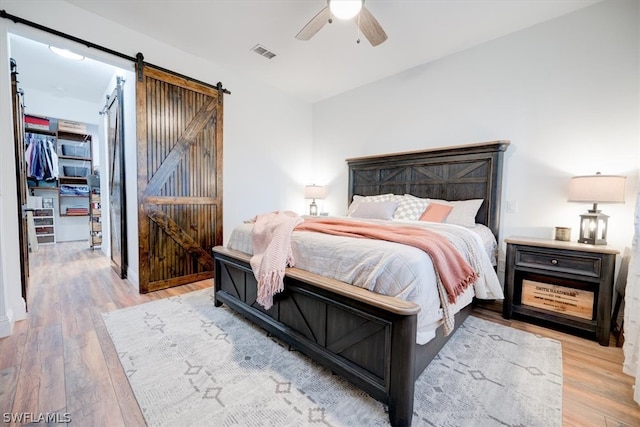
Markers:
314,192
595,189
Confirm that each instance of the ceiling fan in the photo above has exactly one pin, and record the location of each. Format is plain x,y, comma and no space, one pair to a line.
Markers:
346,9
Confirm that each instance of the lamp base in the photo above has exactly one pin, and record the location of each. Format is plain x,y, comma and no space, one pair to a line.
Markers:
593,242
593,228
313,208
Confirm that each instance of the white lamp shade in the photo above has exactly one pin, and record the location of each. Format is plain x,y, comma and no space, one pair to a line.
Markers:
314,192
345,9
597,189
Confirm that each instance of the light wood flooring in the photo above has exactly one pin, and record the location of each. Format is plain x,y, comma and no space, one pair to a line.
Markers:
61,359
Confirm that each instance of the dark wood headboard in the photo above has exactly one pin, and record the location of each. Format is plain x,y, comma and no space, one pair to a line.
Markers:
462,172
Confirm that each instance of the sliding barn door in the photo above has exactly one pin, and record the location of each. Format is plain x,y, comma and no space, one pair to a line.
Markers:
179,125
21,179
117,183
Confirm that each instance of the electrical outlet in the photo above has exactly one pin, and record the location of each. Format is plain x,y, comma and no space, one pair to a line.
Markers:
512,206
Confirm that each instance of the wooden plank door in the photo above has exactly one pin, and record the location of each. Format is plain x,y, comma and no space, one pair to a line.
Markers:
116,173
179,131
21,178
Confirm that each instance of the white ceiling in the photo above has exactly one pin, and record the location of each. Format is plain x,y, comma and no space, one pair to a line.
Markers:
40,69
224,31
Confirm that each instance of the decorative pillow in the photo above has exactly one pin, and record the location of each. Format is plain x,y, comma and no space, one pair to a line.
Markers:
463,213
436,212
375,210
410,207
359,199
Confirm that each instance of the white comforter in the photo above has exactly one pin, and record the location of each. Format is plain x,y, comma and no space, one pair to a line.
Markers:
388,268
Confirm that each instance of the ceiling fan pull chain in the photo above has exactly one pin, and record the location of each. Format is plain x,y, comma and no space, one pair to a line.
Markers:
358,25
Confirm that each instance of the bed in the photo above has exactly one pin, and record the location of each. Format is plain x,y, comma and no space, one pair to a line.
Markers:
368,338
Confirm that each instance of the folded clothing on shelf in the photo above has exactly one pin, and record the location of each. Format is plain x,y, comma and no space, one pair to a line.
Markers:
74,190
77,211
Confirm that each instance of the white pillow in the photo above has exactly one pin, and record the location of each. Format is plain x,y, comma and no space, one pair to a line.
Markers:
410,207
375,210
359,199
464,211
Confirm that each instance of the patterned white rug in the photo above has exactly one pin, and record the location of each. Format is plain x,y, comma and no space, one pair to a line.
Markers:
190,363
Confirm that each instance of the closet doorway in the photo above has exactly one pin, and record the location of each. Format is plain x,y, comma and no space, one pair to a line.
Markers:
62,88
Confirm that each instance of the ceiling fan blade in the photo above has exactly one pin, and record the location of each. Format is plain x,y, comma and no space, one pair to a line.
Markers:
313,26
371,28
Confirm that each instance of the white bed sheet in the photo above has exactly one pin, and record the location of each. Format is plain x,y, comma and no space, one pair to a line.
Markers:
387,268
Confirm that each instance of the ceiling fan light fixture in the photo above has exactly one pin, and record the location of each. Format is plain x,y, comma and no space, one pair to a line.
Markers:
367,24
345,9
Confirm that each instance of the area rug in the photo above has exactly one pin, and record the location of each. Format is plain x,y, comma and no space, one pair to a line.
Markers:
190,363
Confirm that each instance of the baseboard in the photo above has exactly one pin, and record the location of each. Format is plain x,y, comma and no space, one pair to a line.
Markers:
6,325
132,277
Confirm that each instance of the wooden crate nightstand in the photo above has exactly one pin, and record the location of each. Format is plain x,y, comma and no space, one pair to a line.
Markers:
565,285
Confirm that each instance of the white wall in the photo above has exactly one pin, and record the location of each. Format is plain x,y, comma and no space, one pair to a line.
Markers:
565,93
267,135
131,175
61,107
12,306
128,104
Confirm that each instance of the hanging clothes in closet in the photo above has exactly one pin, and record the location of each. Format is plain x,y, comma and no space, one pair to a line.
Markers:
41,157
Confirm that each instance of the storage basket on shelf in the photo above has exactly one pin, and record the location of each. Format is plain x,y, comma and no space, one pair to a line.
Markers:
75,171
49,184
74,151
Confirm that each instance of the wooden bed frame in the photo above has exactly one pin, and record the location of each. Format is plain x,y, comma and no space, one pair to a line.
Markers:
367,338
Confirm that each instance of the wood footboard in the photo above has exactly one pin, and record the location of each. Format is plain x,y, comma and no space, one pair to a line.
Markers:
368,339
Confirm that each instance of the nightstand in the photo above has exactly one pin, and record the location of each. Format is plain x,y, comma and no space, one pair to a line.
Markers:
565,285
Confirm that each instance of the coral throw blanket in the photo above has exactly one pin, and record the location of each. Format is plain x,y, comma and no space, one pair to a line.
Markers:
453,270
271,238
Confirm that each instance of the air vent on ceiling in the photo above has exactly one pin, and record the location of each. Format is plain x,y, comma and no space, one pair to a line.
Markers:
263,51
